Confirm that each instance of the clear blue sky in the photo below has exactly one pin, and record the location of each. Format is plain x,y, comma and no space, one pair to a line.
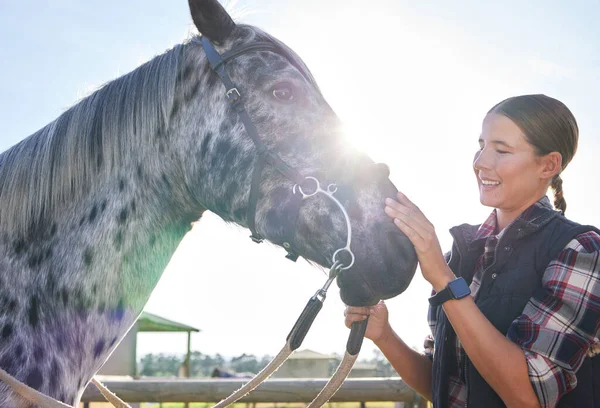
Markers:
411,80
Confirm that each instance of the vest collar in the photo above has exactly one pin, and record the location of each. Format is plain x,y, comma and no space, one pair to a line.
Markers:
531,220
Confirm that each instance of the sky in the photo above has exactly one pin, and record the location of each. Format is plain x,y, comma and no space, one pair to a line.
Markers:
411,82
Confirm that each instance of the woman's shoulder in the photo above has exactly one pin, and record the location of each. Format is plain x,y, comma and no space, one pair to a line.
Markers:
588,242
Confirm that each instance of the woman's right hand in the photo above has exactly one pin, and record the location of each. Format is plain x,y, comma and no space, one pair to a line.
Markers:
378,327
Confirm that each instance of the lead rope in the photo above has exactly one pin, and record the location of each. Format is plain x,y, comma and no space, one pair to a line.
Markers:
44,401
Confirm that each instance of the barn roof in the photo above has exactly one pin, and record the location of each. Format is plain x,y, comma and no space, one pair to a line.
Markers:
148,322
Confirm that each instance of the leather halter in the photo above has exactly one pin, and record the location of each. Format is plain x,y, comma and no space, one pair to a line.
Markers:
264,155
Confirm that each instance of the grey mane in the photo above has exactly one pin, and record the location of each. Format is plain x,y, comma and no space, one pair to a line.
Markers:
87,143
63,161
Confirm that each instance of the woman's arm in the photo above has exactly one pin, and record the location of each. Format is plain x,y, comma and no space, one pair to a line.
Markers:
501,363
413,367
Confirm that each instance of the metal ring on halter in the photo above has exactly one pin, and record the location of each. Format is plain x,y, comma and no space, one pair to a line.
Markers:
304,195
331,190
347,249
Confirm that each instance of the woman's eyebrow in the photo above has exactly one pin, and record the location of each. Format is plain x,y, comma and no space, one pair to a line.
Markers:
497,142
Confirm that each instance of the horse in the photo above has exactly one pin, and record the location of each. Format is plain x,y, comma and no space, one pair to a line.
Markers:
93,205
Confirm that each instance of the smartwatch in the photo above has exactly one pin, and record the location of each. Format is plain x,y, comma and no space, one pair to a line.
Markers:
456,289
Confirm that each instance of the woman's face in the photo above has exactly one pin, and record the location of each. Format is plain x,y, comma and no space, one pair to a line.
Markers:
508,171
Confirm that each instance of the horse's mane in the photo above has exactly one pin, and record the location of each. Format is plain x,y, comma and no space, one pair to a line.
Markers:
66,158
89,142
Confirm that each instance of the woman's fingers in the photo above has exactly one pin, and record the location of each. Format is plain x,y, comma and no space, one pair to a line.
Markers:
355,314
411,233
410,217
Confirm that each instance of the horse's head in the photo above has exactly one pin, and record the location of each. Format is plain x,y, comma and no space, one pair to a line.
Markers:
295,123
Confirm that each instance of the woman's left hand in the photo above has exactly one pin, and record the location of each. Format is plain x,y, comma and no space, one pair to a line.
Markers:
413,223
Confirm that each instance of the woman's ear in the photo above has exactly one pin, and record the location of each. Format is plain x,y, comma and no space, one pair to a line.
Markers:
211,19
551,165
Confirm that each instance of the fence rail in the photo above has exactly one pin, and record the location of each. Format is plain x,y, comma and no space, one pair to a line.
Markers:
275,390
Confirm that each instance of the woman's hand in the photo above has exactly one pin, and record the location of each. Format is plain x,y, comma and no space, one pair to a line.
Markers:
378,327
411,221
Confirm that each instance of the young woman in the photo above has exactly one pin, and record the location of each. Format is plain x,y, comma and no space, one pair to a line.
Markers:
515,313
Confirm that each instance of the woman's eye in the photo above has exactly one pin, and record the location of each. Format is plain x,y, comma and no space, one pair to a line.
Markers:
284,93
502,151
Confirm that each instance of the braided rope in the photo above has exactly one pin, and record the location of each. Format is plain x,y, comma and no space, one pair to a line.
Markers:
259,378
44,401
336,381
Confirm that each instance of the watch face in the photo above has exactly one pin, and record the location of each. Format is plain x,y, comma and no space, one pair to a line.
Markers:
459,288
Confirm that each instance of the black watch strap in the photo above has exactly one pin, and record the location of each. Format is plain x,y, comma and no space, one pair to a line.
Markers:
456,289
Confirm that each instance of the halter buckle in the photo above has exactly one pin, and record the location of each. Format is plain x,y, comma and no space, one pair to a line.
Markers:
233,94
256,239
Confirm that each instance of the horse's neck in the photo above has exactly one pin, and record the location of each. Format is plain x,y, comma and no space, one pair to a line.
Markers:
75,289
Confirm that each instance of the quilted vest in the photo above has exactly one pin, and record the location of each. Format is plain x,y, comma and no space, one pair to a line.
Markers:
522,254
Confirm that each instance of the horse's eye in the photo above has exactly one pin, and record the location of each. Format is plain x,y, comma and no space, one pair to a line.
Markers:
284,93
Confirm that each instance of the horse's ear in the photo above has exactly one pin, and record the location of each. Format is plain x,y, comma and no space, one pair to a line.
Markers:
211,19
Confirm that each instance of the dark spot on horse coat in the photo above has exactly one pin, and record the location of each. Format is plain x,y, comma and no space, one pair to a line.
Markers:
98,348
35,260
19,246
119,312
33,313
6,331
82,221
119,240
12,305
39,353
65,296
8,363
60,344
191,94
152,240
188,71
34,379
166,181
99,161
140,173
19,351
122,216
225,127
121,185
88,257
175,108
55,375
50,283
204,145
133,206
112,342
103,206
93,214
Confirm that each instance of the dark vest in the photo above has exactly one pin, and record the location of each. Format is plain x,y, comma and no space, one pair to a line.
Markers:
523,252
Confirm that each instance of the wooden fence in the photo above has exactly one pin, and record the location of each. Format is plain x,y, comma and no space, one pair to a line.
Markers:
275,390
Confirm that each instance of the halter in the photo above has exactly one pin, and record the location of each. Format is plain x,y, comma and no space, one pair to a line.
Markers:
304,188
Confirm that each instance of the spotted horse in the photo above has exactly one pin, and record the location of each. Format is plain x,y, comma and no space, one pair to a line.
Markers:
93,205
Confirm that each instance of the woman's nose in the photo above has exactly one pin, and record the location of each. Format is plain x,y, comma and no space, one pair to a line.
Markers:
481,160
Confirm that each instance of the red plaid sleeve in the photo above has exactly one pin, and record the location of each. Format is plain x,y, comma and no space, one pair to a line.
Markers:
561,323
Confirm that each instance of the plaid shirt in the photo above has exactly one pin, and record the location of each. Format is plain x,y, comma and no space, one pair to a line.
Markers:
556,332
